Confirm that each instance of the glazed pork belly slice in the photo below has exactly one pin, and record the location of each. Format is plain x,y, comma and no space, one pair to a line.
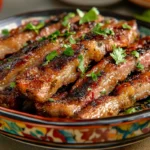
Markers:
34,54
87,89
41,83
127,94
10,46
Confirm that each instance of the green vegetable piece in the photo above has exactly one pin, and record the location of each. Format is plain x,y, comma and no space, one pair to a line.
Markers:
94,76
139,66
145,16
51,100
118,55
12,85
54,36
97,30
130,110
72,40
135,54
35,28
81,64
66,19
80,13
89,89
91,15
126,26
68,51
103,92
5,32
50,57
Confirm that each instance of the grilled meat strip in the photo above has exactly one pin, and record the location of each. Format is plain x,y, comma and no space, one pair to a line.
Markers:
128,93
86,89
41,83
34,54
10,46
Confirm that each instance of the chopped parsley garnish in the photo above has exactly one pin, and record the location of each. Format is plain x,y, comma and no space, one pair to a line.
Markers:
80,13
68,51
94,76
98,30
68,33
54,36
81,64
126,26
135,54
42,39
50,57
35,28
103,92
25,44
66,18
89,89
5,32
130,110
91,15
118,55
72,40
12,85
51,100
139,66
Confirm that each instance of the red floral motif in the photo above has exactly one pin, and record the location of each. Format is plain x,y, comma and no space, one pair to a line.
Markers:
96,135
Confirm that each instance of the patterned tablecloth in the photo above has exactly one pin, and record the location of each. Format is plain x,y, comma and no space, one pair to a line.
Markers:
11,7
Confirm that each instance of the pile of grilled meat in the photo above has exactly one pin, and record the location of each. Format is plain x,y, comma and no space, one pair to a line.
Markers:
76,65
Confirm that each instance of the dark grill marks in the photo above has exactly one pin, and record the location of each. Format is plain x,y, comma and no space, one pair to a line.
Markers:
111,75
10,46
127,94
50,81
59,63
33,55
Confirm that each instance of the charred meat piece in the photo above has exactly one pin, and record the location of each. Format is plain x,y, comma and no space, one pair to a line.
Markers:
41,83
9,45
99,81
34,54
127,94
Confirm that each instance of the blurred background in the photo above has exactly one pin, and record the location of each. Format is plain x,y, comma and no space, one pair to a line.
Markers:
126,7
137,8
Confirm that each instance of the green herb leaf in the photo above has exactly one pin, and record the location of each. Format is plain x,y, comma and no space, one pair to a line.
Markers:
89,89
144,17
94,76
42,39
91,15
12,85
97,30
80,13
72,40
50,57
5,32
68,51
135,54
66,19
126,26
103,92
81,64
35,28
118,55
51,100
130,110
54,36
139,66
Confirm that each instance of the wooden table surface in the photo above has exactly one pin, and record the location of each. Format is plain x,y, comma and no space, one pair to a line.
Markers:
12,7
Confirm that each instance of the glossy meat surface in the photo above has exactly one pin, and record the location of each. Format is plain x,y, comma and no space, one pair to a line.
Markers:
64,70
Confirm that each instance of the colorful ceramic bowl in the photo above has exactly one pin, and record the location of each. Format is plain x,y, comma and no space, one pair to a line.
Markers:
73,134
